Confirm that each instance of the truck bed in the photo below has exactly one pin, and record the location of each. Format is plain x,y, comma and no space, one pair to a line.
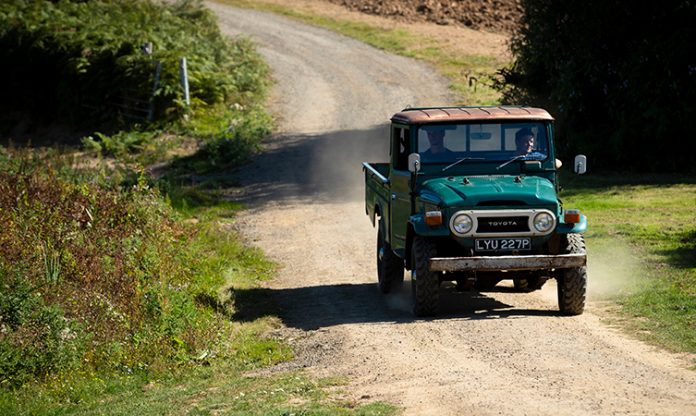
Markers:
376,189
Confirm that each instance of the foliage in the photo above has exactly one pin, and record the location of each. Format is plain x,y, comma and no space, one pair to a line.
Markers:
229,135
133,314
99,273
619,77
205,390
35,338
83,61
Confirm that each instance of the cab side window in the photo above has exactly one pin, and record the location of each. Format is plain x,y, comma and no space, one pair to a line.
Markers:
400,147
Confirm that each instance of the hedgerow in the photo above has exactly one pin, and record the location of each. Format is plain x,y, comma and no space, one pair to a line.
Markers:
100,276
84,61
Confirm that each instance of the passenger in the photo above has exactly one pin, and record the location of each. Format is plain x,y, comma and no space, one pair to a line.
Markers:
437,149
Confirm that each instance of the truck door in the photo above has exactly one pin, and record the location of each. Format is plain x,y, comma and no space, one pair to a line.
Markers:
399,176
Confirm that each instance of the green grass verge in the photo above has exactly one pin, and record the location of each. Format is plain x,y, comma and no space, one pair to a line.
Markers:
205,391
642,251
471,75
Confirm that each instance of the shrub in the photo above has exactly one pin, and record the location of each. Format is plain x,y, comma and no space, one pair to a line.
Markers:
84,62
102,274
35,338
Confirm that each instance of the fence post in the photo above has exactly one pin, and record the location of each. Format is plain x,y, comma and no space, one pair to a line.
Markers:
184,80
147,49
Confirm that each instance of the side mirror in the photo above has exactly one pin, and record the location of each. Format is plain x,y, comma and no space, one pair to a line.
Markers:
580,165
414,162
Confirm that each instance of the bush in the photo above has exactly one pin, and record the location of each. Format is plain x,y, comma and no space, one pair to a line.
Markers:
35,338
83,61
97,271
98,274
618,76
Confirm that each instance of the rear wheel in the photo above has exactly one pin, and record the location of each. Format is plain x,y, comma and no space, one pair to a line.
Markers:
528,284
390,268
425,284
572,283
485,284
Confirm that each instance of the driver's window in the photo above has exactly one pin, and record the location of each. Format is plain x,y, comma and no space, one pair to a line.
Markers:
537,131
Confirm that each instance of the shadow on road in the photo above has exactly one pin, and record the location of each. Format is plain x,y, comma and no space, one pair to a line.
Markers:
315,307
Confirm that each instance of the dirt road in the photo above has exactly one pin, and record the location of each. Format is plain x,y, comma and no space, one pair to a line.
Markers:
494,353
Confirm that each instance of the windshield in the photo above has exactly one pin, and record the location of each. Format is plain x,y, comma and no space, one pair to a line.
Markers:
474,143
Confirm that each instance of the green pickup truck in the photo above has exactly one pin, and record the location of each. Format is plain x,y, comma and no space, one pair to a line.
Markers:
470,195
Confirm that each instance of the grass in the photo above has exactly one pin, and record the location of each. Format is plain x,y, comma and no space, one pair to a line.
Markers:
218,389
642,252
471,76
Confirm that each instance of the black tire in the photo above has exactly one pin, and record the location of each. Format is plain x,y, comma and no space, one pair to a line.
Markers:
484,285
528,284
390,268
521,285
572,283
425,285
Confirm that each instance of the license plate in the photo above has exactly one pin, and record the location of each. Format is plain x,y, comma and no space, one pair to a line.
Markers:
503,244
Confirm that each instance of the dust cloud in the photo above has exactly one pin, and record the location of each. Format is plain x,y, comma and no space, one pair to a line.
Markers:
335,165
613,269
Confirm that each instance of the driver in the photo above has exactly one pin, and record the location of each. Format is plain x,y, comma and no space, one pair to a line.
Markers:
524,144
524,141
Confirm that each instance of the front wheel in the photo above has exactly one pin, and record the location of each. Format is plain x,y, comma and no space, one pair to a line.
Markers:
572,283
425,284
390,268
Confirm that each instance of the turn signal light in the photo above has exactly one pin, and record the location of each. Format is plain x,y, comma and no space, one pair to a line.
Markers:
572,216
433,218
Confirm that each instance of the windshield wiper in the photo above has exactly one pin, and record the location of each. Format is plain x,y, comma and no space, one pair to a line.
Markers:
510,161
460,160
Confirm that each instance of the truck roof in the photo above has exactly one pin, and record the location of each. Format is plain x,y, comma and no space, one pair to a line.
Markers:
444,114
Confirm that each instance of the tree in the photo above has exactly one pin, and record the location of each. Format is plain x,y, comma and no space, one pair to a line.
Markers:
619,76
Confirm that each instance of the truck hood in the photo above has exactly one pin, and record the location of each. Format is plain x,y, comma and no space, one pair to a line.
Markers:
490,190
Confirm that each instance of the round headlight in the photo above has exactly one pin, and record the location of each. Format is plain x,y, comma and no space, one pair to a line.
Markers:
543,222
461,224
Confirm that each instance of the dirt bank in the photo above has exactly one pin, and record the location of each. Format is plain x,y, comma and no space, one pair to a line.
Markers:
490,15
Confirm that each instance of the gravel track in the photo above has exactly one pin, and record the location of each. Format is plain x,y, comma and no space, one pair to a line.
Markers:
491,353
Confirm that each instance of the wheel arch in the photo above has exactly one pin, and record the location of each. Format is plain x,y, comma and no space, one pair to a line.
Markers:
377,212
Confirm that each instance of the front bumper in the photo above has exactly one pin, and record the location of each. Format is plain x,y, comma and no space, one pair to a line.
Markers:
498,263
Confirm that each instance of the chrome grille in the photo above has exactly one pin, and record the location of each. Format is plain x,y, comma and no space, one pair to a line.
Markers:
503,224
